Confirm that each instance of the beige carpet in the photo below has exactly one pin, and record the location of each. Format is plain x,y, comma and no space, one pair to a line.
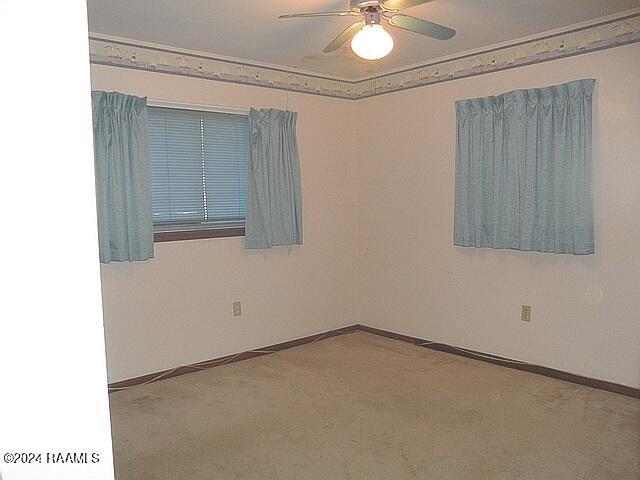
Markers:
361,406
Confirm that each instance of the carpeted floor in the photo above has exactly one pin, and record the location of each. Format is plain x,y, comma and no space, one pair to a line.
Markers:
359,406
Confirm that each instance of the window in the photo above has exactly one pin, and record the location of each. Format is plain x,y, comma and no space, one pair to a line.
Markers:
198,173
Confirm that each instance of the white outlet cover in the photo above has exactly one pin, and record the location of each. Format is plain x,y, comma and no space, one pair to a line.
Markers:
593,295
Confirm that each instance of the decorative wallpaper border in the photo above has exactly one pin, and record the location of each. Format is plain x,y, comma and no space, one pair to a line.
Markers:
598,36
128,54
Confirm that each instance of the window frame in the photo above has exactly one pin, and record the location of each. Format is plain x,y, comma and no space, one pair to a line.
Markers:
197,233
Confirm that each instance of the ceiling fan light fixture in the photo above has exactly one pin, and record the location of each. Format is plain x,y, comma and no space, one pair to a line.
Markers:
372,42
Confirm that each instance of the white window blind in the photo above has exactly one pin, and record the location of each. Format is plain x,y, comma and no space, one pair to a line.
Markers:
198,168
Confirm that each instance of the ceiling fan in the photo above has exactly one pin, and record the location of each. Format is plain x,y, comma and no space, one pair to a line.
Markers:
368,39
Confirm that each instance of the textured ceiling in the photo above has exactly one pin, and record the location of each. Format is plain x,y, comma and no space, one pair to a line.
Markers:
249,29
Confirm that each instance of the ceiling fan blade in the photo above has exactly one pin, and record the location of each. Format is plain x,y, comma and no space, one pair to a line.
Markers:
318,14
344,37
396,5
422,27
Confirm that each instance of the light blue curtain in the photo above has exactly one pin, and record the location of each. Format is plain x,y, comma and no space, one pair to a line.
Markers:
123,185
523,170
274,203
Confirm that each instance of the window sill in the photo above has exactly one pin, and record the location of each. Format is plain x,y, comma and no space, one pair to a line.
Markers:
198,234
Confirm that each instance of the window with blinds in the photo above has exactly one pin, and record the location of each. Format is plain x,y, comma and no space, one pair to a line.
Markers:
198,169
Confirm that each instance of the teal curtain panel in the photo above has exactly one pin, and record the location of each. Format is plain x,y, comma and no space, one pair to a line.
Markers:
123,182
274,199
523,170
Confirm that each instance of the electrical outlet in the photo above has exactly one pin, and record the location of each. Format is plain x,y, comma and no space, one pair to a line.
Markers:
237,309
526,313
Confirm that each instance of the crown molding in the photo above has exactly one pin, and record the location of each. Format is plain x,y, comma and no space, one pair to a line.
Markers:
600,34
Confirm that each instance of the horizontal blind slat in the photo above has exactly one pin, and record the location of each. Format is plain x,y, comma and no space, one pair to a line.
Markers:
197,156
226,147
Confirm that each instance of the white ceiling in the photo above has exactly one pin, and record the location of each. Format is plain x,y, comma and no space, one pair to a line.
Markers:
249,29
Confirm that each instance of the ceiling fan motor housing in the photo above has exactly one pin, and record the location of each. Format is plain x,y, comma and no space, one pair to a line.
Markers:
369,8
360,4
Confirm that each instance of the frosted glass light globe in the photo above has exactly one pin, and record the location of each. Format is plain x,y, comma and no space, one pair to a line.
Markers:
372,42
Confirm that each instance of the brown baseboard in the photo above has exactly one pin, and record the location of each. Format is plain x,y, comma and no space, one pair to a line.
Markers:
509,363
441,347
194,367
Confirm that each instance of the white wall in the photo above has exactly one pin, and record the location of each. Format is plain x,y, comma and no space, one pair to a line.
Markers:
408,277
53,392
177,308
412,279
